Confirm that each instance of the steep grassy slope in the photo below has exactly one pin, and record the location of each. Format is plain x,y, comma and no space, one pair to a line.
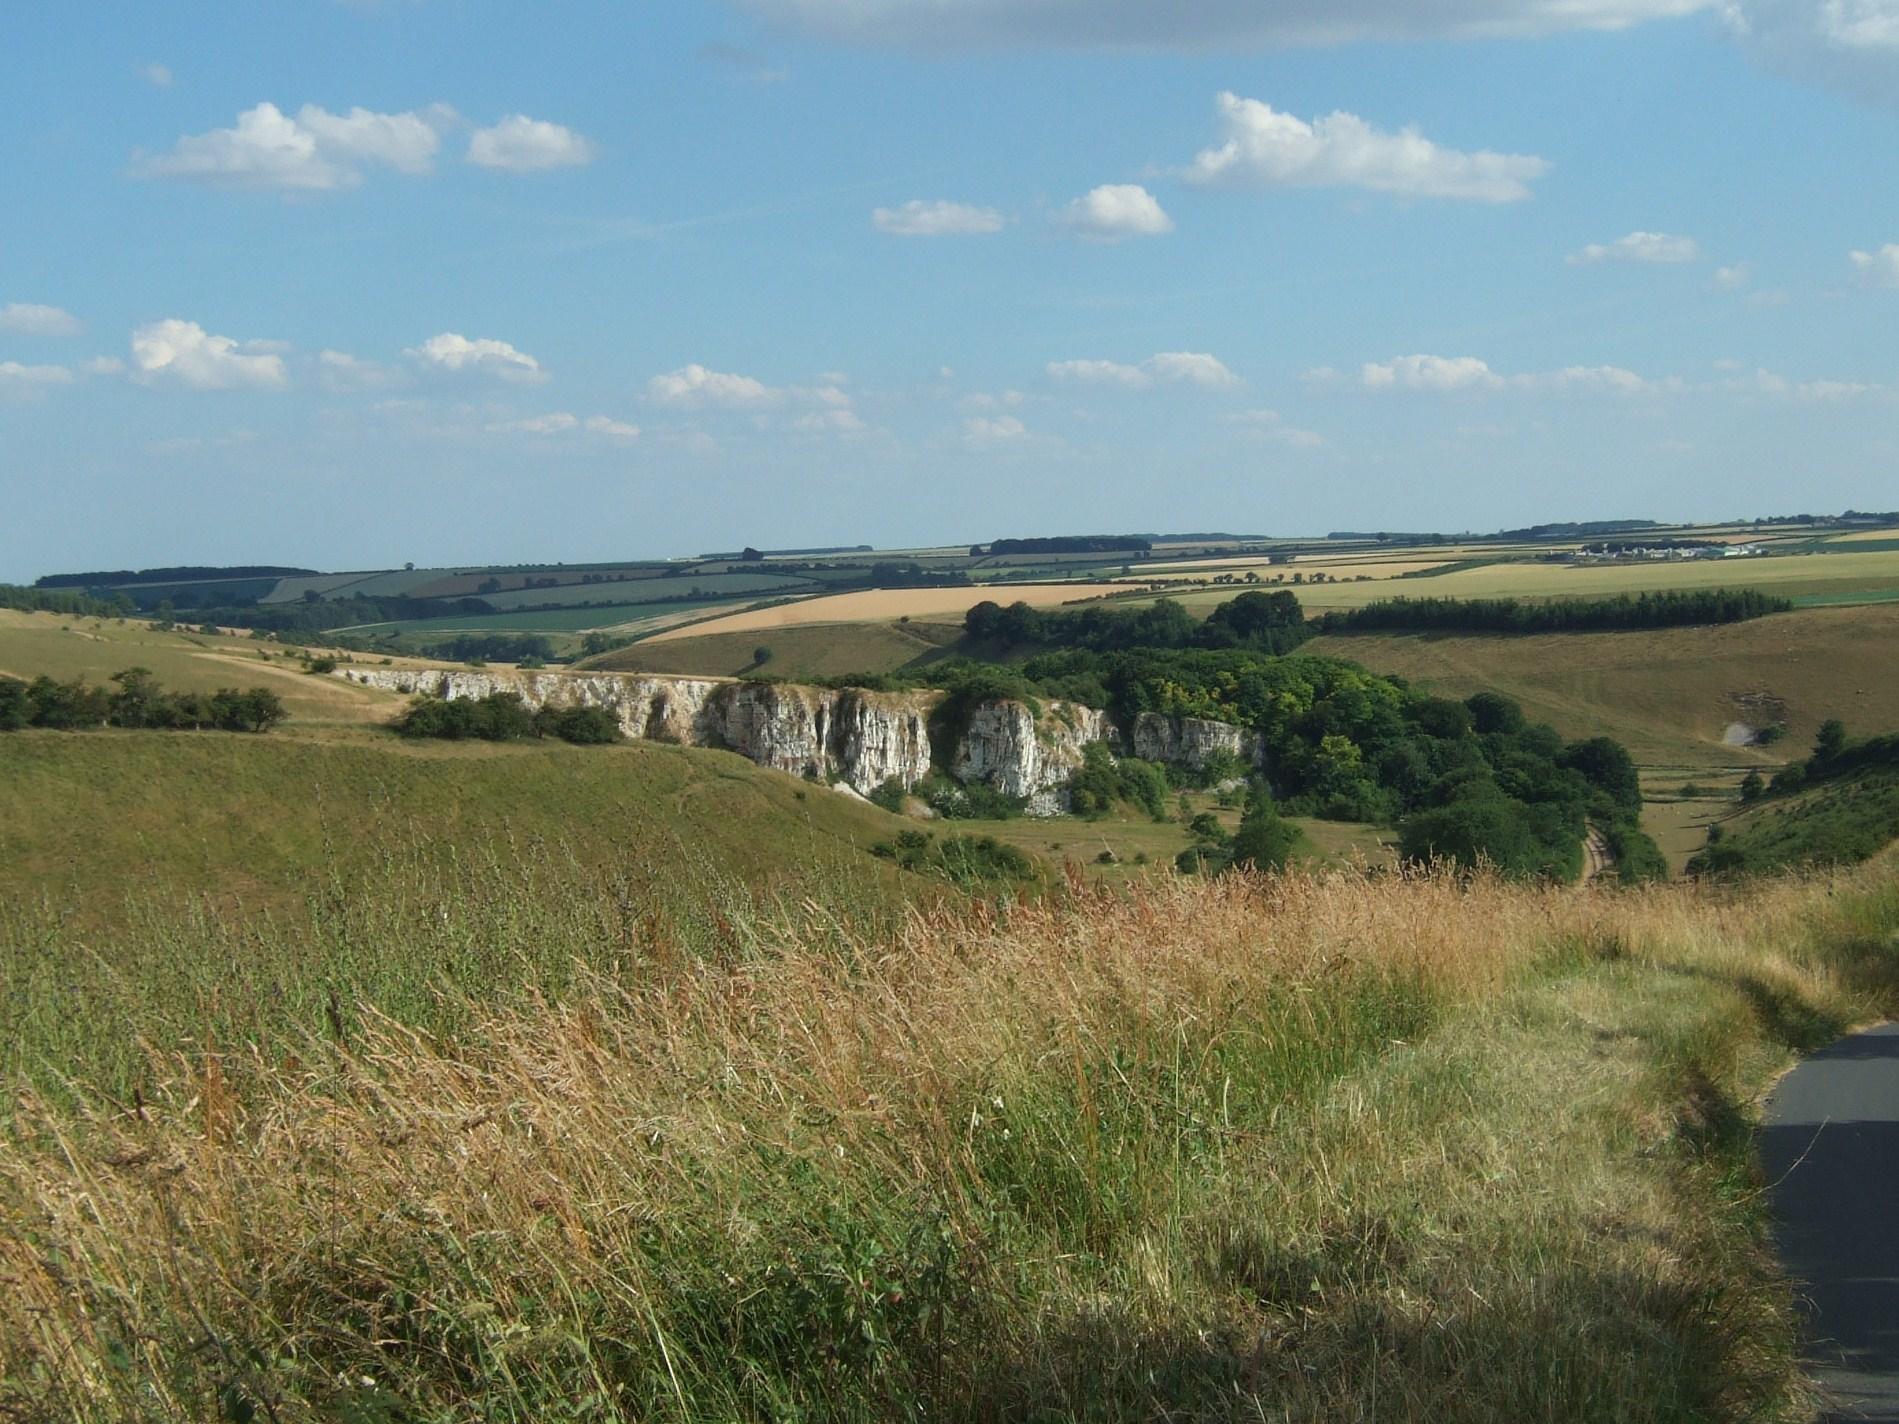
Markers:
1670,695
1834,823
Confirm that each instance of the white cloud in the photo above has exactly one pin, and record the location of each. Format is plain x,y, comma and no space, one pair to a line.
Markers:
992,400
156,75
1733,278
1652,247
1105,373
918,218
452,352
1195,367
311,151
1200,24
551,424
1449,374
183,351
1878,269
1772,383
102,366
30,383
993,429
1265,148
836,420
32,319
1269,425
341,372
519,144
1115,211
693,386
608,426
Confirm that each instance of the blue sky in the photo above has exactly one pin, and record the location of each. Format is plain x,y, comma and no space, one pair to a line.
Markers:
351,284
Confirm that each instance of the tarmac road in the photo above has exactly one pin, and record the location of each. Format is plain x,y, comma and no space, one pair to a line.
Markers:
1830,1149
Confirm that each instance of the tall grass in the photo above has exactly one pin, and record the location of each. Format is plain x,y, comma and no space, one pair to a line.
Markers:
1276,1148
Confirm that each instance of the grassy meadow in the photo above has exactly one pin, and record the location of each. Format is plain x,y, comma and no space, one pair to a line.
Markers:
1296,1147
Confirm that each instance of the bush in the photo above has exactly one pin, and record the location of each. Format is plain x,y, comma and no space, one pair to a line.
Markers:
586,726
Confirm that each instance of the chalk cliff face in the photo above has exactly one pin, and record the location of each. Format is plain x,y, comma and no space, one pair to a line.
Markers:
1192,741
1006,747
861,738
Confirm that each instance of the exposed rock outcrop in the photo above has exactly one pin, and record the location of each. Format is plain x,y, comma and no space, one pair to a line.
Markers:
1192,741
863,739
1007,747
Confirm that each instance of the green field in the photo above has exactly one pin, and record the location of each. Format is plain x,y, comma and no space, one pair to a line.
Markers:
560,620
827,650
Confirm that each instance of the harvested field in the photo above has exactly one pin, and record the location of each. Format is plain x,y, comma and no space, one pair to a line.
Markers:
872,605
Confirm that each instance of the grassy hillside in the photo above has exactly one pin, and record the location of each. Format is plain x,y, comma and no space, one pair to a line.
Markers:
1836,822
1670,695
32,644
1253,1148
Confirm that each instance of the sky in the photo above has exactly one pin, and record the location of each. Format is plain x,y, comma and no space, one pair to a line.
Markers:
352,283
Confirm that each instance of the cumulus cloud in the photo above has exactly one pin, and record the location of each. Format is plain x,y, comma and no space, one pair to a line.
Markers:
1851,44
32,319
1733,277
1199,24
1194,367
184,352
993,429
312,150
1262,147
694,386
1449,374
1878,269
918,218
1651,247
608,426
1822,392
457,354
519,144
1115,211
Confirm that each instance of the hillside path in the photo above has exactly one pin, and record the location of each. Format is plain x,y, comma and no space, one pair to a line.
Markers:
1830,1149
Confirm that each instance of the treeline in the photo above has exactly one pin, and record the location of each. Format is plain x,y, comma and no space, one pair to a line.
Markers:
76,605
496,648
135,701
1069,544
1683,608
320,615
504,717
184,573
1262,622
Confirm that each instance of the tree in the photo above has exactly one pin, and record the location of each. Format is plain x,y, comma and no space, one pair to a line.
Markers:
761,655
1830,741
751,555
1493,712
1264,840
1752,787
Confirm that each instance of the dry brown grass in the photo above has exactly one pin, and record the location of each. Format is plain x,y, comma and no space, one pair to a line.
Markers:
1247,1148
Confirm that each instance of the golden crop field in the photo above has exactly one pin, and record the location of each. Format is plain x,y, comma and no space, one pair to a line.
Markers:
871,605
1786,574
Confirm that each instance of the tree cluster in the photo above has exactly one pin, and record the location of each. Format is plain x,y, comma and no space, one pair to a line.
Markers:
1263,622
1685,608
60,600
136,700
504,717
